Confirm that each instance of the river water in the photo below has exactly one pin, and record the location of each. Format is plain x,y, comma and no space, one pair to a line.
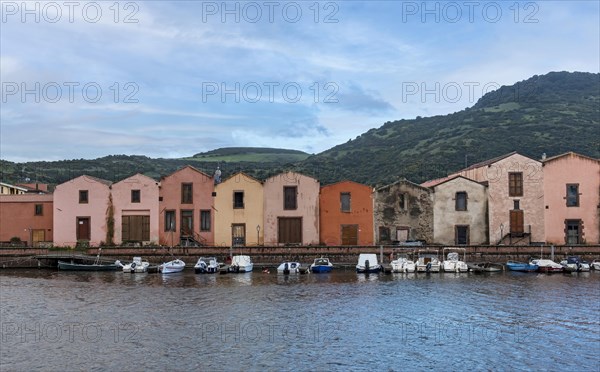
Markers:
54,320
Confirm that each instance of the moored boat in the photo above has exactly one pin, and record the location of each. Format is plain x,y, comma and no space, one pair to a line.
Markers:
403,264
367,263
206,265
487,267
595,265
574,264
241,264
547,266
136,266
521,266
289,268
428,262
321,265
72,266
171,267
453,264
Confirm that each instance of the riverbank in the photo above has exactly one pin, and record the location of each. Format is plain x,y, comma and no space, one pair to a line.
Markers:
23,257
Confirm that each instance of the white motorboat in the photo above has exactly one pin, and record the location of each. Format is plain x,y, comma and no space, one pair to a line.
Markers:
547,266
289,268
171,267
136,266
241,264
428,262
453,264
403,264
367,263
595,265
206,265
574,264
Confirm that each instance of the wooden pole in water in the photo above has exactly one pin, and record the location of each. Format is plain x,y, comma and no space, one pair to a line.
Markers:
381,254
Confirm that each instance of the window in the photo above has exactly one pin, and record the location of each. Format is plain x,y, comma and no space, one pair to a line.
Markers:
205,220
572,195
345,201
461,234
516,205
135,196
384,234
402,201
169,220
238,200
461,201
187,192
39,209
515,184
290,194
573,232
83,196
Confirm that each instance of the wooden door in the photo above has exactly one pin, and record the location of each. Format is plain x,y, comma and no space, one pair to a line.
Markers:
38,236
238,234
349,234
83,228
187,223
135,228
516,223
289,230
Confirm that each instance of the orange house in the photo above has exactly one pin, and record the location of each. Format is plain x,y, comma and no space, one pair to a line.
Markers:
186,215
27,217
346,214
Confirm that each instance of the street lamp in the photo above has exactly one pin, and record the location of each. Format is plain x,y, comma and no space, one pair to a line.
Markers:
257,234
501,232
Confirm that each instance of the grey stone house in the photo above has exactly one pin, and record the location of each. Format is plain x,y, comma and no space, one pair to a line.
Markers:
403,211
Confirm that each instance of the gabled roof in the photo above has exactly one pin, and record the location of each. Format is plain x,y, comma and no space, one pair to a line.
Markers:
441,181
136,175
403,180
571,154
96,179
13,186
286,172
488,162
190,167
240,173
345,181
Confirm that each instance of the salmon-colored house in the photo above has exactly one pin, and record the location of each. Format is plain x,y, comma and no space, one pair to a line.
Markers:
239,211
291,209
135,210
572,199
27,217
80,211
515,197
346,214
186,208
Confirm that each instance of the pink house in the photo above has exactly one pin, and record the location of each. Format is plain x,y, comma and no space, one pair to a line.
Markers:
572,200
291,209
80,211
135,210
515,197
186,215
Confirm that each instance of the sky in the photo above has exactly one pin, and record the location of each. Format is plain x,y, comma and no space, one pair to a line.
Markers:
172,79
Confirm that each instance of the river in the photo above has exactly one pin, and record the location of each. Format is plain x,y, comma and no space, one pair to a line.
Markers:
96,321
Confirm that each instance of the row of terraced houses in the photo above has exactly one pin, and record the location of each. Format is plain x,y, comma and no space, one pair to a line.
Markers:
511,199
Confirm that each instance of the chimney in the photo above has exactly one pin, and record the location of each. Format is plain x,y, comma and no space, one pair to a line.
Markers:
543,156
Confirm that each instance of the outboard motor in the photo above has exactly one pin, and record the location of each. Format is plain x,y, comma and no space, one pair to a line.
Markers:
428,267
286,269
367,264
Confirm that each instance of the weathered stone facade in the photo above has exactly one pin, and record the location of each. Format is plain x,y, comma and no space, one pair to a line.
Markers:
403,211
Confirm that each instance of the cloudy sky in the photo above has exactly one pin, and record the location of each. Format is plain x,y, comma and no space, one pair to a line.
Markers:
170,79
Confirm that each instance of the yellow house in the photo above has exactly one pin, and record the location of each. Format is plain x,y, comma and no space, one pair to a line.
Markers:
239,211
8,189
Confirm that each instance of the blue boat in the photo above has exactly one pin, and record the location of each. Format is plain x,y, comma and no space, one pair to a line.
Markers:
321,265
521,266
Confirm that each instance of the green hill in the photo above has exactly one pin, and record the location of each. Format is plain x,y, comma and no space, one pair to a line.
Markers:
250,154
552,114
